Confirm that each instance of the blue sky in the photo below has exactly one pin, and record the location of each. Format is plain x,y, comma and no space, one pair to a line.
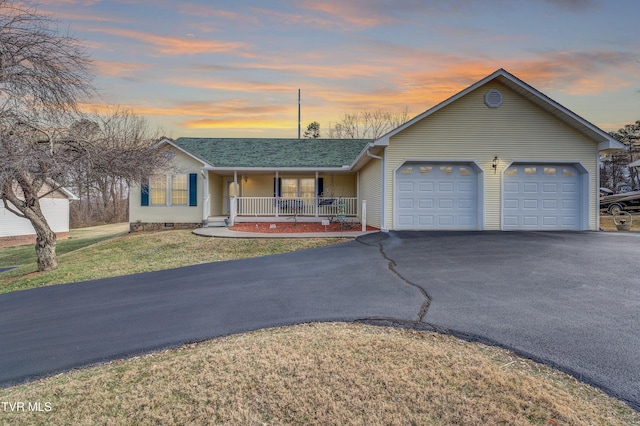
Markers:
233,68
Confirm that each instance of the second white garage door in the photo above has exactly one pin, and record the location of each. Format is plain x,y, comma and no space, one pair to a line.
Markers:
436,196
542,197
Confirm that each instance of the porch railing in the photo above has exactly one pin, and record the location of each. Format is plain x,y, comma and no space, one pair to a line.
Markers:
281,206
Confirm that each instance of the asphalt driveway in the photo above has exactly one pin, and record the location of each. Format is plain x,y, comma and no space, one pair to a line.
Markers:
571,300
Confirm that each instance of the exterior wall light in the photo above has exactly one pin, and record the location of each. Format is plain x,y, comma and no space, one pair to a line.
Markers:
494,164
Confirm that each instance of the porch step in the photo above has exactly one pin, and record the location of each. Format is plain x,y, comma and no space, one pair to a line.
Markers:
219,221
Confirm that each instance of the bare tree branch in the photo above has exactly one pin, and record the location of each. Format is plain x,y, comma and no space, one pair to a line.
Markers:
367,124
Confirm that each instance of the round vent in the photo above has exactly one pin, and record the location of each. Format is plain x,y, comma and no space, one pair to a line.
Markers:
493,98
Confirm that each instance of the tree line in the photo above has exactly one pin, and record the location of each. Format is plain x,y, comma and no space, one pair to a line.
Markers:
615,173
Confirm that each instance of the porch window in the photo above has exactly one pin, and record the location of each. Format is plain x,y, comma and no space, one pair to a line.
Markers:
297,187
307,187
289,188
294,187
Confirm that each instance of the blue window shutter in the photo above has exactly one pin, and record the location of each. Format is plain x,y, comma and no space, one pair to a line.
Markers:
144,192
193,189
320,188
277,187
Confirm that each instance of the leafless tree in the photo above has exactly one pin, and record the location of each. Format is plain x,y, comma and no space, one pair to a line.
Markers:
43,77
118,149
614,171
367,124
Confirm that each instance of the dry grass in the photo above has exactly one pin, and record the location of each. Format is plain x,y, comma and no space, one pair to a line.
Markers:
321,374
606,223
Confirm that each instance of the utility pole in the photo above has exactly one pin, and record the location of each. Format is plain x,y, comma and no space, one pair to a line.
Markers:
298,113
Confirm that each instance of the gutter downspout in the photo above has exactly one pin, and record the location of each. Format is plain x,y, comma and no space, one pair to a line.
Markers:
383,209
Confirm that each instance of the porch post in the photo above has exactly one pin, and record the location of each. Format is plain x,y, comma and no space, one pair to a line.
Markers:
315,189
359,214
234,200
206,197
277,194
364,215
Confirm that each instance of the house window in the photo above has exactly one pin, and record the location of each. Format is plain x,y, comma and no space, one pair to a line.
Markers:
289,188
173,190
294,187
307,188
158,190
179,190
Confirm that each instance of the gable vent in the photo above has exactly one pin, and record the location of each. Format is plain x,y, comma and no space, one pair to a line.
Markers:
493,98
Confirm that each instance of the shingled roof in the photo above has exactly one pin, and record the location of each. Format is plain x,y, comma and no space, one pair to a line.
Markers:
274,153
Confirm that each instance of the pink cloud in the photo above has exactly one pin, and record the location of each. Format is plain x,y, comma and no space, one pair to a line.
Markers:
179,45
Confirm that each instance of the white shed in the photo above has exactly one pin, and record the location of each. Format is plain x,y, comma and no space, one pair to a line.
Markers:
55,206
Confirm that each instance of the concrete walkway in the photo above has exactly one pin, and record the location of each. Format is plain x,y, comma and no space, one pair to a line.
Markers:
224,232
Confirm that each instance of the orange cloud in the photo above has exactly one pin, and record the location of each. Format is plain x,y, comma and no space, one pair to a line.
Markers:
299,19
231,107
232,85
113,68
238,123
360,14
180,46
205,11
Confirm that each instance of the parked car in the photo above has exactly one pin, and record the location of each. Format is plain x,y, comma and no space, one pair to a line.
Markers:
616,203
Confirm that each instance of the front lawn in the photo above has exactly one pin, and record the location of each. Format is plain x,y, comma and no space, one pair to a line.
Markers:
91,255
305,374
320,374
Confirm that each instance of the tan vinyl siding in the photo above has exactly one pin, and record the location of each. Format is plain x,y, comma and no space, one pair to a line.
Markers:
339,185
371,190
468,130
258,185
216,194
171,214
333,185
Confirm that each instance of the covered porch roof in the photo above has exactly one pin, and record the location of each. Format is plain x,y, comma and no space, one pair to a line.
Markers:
270,155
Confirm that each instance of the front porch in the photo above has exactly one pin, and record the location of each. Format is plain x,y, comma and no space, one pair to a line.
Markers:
296,206
280,209
241,196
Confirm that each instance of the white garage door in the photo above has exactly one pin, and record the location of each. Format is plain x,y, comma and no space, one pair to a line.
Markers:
436,196
542,197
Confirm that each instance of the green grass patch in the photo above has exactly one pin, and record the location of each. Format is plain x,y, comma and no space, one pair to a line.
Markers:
90,256
78,238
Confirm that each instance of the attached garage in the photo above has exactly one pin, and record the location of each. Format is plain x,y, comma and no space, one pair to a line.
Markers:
434,195
499,155
543,197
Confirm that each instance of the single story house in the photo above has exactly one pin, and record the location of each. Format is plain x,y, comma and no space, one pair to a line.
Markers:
499,155
55,207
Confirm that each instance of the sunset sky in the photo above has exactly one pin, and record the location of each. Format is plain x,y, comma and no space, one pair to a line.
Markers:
233,68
